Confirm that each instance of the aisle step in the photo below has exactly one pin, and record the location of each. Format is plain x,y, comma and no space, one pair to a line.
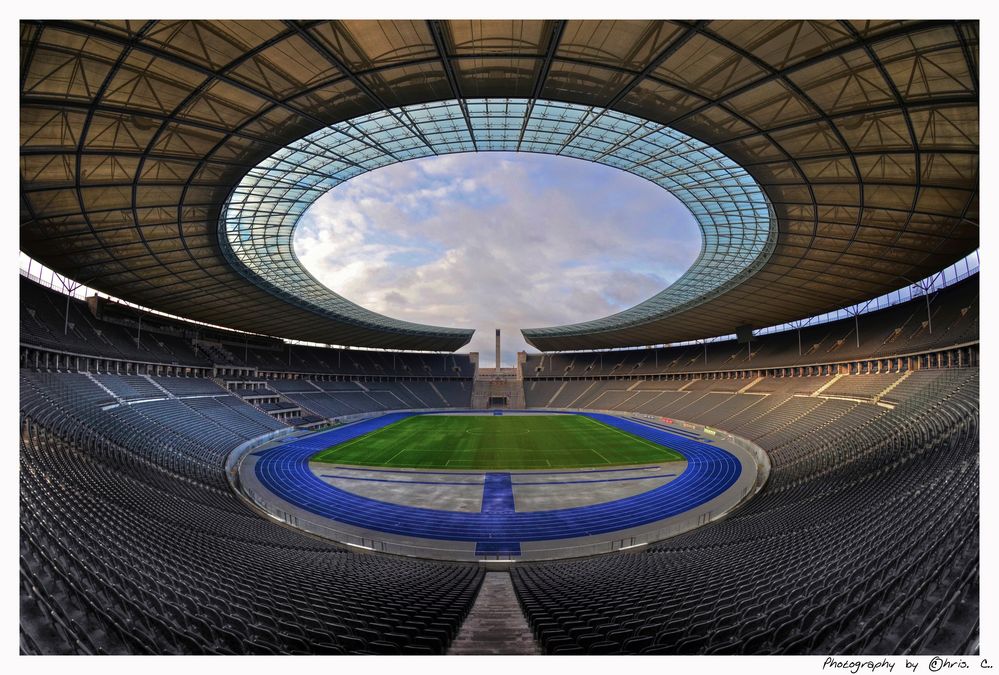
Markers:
495,625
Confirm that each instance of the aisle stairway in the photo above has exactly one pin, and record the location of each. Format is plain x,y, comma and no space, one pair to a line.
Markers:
496,624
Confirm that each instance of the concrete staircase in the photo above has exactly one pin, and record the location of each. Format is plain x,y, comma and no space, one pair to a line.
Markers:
410,392
748,386
110,393
496,625
894,384
828,384
441,396
156,384
555,395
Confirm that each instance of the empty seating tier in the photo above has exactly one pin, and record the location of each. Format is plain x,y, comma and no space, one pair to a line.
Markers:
133,542
124,563
827,559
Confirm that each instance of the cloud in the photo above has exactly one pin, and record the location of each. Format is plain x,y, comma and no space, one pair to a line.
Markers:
497,240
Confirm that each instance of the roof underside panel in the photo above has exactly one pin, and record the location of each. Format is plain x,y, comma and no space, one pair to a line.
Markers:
864,136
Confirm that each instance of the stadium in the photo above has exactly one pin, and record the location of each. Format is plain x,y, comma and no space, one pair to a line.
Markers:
777,453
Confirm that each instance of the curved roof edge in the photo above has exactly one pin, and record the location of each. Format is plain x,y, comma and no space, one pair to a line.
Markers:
737,223
361,326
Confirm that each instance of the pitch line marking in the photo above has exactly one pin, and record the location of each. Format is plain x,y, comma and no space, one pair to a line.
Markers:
600,456
338,448
660,448
516,432
389,460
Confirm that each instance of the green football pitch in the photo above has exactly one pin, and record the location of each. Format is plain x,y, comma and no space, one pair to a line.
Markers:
488,442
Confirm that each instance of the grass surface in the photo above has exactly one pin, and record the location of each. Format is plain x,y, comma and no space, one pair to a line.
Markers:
490,442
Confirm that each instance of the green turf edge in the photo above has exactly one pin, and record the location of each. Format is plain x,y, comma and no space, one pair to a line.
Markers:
360,457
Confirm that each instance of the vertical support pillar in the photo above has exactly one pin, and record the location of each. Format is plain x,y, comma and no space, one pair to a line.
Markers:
929,315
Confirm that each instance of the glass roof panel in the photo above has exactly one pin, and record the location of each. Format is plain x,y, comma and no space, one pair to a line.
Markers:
735,216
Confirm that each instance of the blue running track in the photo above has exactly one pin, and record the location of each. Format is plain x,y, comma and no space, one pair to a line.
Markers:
284,471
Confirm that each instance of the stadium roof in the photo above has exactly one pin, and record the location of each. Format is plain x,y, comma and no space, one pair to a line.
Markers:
737,224
862,135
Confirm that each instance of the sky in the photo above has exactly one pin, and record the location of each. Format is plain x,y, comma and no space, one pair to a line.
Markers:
497,240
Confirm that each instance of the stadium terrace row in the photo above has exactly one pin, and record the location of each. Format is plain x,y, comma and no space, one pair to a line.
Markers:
728,402
899,330
115,331
133,542
195,416
122,561
819,482
827,559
